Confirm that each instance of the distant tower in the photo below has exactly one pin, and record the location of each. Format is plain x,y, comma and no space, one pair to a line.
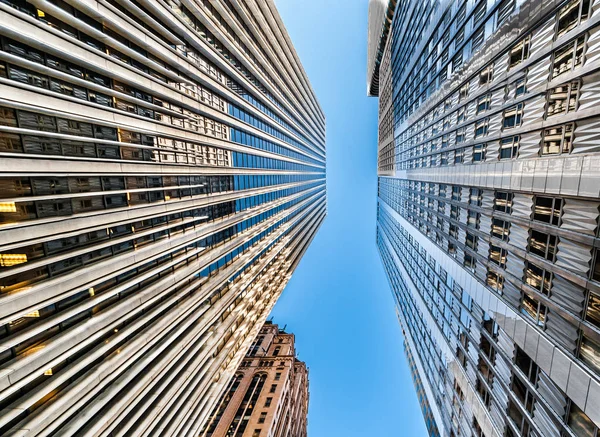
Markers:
268,396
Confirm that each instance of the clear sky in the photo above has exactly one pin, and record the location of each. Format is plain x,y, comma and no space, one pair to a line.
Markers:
338,302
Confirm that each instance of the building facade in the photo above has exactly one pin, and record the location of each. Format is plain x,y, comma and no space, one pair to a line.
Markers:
488,208
268,395
162,171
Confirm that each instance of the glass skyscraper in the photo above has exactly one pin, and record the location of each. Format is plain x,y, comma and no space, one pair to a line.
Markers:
162,171
488,208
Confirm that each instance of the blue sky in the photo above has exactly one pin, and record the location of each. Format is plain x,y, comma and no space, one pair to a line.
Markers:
338,302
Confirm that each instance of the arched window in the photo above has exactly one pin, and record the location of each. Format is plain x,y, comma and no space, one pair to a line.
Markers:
215,417
256,346
240,421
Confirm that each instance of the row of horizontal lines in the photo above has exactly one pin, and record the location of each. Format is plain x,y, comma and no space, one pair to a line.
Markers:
292,68
242,57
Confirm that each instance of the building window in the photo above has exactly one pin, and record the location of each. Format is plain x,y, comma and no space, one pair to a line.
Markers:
525,397
273,388
460,115
262,417
547,210
473,219
479,152
557,140
533,308
475,196
268,402
569,57
463,93
494,281
513,116
481,128
570,15
454,212
471,241
520,52
460,135
543,245
503,202
504,10
277,376
470,262
453,231
592,314
498,255
509,147
276,351
244,412
256,433
442,191
486,75
256,345
456,193
580,423
520,88
563,99
452,249
538,278
483,103
527,365
500,229
589,352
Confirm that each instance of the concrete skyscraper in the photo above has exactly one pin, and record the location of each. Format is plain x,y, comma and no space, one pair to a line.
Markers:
162,171
488,208
268,395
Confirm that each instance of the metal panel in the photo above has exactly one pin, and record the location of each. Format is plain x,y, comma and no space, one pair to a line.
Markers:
580,216
522,206
587,132
529,145
562,331
567,294
533,111
542,37
537,75
593,47
574,256
589,95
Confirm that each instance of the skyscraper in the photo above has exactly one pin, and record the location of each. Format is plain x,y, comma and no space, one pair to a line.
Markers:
268,395
488,208
162,171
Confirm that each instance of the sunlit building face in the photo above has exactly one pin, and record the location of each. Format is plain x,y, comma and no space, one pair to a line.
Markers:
162,172
488,208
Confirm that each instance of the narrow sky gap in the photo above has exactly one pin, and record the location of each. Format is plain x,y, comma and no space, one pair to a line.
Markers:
338,303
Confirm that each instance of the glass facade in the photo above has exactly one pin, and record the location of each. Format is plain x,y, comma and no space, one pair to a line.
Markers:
162,171
488,209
